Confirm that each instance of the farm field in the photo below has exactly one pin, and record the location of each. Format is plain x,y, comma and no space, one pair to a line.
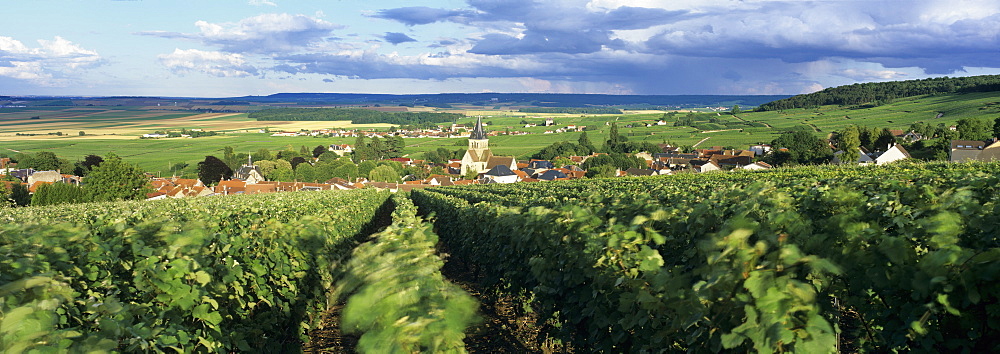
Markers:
130,122
716,129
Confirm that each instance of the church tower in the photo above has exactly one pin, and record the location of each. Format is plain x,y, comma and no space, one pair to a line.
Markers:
479,154
478,138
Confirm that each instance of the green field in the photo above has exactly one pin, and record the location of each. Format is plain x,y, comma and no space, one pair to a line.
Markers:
738,131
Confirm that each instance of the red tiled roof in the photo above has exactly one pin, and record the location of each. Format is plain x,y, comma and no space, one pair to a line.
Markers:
34,187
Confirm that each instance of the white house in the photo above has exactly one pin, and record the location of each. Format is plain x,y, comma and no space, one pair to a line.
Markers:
757,166
895,152
760,149
501,174
341,149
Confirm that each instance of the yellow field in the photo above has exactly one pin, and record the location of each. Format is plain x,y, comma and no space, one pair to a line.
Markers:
135,123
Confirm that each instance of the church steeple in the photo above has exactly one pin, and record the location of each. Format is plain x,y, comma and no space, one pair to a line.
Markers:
478,133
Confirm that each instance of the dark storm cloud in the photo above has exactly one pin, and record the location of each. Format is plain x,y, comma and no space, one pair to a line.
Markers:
534,42
853,30
548,27
397,38
422,15
707,46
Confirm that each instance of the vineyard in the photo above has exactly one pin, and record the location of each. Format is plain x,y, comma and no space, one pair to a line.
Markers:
819,259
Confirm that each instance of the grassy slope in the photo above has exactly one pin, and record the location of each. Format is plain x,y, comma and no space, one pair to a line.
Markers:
155,155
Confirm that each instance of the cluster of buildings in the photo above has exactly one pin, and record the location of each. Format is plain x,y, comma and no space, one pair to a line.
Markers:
33,179
480,161
452,131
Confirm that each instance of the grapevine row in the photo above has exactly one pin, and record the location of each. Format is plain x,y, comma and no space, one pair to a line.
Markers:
399,299
903,258
217,274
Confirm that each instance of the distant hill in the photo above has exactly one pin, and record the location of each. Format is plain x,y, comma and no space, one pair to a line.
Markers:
517,99
443,100
878,93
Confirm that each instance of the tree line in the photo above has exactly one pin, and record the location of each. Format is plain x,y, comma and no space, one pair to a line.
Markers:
877,93
355,115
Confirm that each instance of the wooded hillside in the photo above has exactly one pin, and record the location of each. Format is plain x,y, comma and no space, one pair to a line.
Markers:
877,93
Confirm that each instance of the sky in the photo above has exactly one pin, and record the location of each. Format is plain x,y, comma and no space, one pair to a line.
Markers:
228,48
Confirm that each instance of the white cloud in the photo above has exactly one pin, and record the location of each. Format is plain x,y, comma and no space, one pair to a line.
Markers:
213,63
262,3
266,33
872,75
26,71
47,65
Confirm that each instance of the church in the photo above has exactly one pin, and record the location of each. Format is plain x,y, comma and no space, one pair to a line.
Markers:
249,172
478,157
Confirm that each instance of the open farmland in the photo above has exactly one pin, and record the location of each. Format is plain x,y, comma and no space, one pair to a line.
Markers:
39,122
117,128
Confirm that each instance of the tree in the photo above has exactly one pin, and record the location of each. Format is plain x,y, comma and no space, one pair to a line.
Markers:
82,168
394,146
562,161
996,128
91,161
602,171
613,139
19,194
396,165
41,161
58,193
803,147
884,141
438,170
617,160
306,173
849,141
347,171
585,142
230,158
5,201
561,148
365,167
416,173
319,150
383,173
944,132
778,158
82,133
973,129
212,170
289,154
296,161
442,155
261,155
736,109
115,179
329,156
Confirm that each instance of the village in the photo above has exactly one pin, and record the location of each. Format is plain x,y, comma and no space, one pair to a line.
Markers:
479,165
